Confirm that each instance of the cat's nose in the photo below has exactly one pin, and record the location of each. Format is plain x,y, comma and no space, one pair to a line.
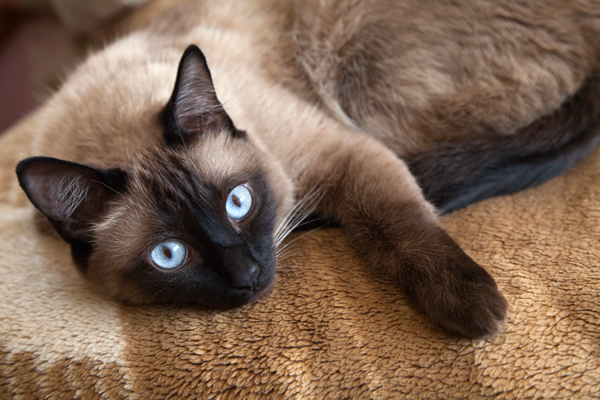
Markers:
245,277
238,268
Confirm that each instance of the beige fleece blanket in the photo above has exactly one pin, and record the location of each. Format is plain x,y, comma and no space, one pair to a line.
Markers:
330,329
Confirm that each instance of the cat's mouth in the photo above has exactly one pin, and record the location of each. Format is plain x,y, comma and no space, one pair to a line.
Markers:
240,297
262,292
233,297
265,282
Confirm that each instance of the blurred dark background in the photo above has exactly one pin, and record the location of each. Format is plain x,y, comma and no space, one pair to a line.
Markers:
36,49
40,42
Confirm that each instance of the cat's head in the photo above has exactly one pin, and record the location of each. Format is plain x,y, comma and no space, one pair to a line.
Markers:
192,221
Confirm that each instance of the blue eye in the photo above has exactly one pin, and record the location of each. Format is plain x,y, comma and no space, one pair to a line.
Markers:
169,255
239,202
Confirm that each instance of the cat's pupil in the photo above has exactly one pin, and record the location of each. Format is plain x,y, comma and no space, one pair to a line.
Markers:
236,200
167,252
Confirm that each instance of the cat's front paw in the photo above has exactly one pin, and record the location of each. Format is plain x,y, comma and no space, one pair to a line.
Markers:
470,306
458,295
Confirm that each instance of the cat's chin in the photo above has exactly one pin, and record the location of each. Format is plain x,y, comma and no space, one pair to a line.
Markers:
240,297
259,294
252,296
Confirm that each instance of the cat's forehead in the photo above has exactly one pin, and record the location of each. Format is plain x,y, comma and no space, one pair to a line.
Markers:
222,157
216,162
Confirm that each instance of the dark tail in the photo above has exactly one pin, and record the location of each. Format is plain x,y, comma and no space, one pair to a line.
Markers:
456,174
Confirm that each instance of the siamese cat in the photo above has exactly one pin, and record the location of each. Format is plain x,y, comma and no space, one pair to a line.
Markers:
177,159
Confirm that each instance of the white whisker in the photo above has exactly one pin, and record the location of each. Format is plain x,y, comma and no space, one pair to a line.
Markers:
287,255
294,211
288,244
297,217
302,209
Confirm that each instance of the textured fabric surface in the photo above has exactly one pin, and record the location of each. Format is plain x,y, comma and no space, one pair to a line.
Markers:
331,328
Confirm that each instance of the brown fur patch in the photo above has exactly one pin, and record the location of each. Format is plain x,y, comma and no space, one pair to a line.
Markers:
445,71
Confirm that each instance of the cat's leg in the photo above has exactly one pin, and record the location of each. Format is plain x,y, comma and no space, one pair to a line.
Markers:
376,199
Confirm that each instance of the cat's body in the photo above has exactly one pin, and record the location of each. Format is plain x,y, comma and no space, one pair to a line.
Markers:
321,104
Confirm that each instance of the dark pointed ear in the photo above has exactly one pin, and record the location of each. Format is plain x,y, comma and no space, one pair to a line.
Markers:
72,196
193,108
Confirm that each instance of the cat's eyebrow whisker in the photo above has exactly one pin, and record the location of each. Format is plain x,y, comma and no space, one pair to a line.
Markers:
123,197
